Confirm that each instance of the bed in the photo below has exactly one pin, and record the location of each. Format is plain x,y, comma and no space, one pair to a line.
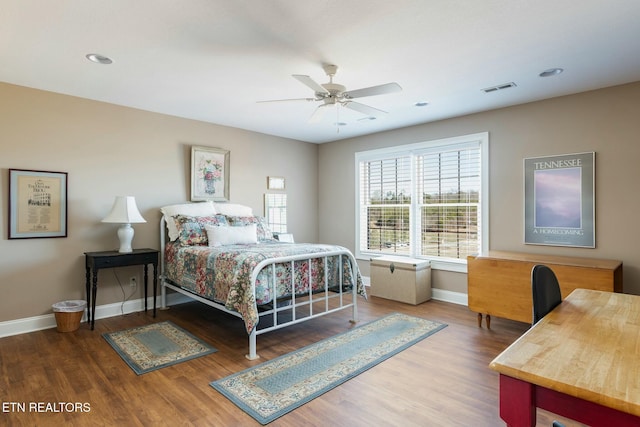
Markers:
224,256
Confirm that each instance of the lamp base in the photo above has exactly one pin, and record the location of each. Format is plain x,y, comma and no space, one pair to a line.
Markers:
125,234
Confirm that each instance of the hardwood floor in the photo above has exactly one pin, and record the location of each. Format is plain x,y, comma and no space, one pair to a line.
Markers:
443,380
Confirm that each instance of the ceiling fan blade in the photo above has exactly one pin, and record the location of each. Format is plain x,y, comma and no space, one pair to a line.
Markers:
373,90
319,112
364,109
309,82
288,100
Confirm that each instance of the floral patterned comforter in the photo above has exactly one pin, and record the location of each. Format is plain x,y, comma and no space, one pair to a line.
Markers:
223,274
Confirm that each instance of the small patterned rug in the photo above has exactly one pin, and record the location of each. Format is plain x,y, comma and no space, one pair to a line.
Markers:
271,389
150,347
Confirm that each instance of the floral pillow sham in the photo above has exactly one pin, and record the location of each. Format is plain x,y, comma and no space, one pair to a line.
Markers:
262,228
192,229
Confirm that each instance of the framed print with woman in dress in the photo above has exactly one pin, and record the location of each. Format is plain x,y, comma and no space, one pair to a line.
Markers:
37,204
560,200
209,174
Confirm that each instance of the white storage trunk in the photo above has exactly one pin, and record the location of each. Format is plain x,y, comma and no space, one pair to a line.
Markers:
401,279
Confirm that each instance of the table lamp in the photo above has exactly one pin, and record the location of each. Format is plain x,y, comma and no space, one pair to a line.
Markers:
125,212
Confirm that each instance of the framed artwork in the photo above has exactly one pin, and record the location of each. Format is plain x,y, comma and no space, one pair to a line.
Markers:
560,200
209,174
275,183
37,204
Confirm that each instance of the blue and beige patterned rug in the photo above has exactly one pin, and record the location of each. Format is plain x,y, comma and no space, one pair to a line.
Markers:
150,347
271,389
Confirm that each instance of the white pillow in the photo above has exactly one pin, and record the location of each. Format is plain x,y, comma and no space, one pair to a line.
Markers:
233,209
240,235
188,209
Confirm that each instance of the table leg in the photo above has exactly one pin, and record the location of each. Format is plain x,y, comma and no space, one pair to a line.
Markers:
517,402
155,285
146,283
487,318
88,294
93,298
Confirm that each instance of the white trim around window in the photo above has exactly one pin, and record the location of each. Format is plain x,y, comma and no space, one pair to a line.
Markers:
403,207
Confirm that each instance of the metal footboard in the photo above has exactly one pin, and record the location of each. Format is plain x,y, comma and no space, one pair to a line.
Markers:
311,299
317,303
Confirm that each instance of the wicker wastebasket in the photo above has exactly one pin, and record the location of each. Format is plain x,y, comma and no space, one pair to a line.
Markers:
68,314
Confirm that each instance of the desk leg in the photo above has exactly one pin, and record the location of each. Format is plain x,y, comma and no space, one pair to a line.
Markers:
93,297
155,285
488,319
517,402
146,283
88,291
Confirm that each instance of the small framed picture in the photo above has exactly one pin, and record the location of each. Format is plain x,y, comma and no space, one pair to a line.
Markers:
37,204
275,183
209,174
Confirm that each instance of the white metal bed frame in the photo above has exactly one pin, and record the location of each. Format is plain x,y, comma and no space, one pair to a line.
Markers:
310,301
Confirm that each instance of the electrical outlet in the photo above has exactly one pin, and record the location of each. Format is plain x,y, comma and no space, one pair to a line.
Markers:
133,281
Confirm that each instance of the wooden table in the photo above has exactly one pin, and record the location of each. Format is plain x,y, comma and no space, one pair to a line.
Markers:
580,361
95,261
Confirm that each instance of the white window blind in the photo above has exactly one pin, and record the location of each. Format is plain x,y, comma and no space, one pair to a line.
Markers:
423,200
449,187
385,204
275,211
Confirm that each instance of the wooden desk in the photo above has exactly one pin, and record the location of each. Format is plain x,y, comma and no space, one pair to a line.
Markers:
499,282
580,361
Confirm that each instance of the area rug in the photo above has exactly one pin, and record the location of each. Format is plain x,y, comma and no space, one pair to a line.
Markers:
150,347
271,389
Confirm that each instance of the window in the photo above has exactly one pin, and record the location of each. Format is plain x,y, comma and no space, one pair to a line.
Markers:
425,200
275,211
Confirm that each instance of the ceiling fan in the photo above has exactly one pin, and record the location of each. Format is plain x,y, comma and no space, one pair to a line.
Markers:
333,94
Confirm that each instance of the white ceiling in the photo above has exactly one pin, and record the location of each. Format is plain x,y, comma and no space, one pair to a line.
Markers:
212,60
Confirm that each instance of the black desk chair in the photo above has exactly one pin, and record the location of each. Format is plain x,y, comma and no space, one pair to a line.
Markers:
546,291
546,296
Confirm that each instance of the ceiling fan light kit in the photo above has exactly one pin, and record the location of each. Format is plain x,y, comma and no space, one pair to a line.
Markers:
334,94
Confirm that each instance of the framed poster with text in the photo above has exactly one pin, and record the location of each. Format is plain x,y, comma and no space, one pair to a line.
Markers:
559,205
37,204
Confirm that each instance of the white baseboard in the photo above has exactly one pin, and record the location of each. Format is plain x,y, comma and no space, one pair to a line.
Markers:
48,321
437,294
450,296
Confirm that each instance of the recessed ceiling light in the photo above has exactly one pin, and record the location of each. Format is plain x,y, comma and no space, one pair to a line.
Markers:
551,72
421,104
98,59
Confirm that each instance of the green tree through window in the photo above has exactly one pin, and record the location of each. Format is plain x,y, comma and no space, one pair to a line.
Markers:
422,200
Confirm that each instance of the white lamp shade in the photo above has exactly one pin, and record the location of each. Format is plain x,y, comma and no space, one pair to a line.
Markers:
124,211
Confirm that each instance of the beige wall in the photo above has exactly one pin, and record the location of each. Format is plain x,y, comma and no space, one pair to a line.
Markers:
107,151
605,121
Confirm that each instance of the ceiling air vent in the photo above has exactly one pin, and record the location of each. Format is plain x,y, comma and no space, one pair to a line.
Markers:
499,87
